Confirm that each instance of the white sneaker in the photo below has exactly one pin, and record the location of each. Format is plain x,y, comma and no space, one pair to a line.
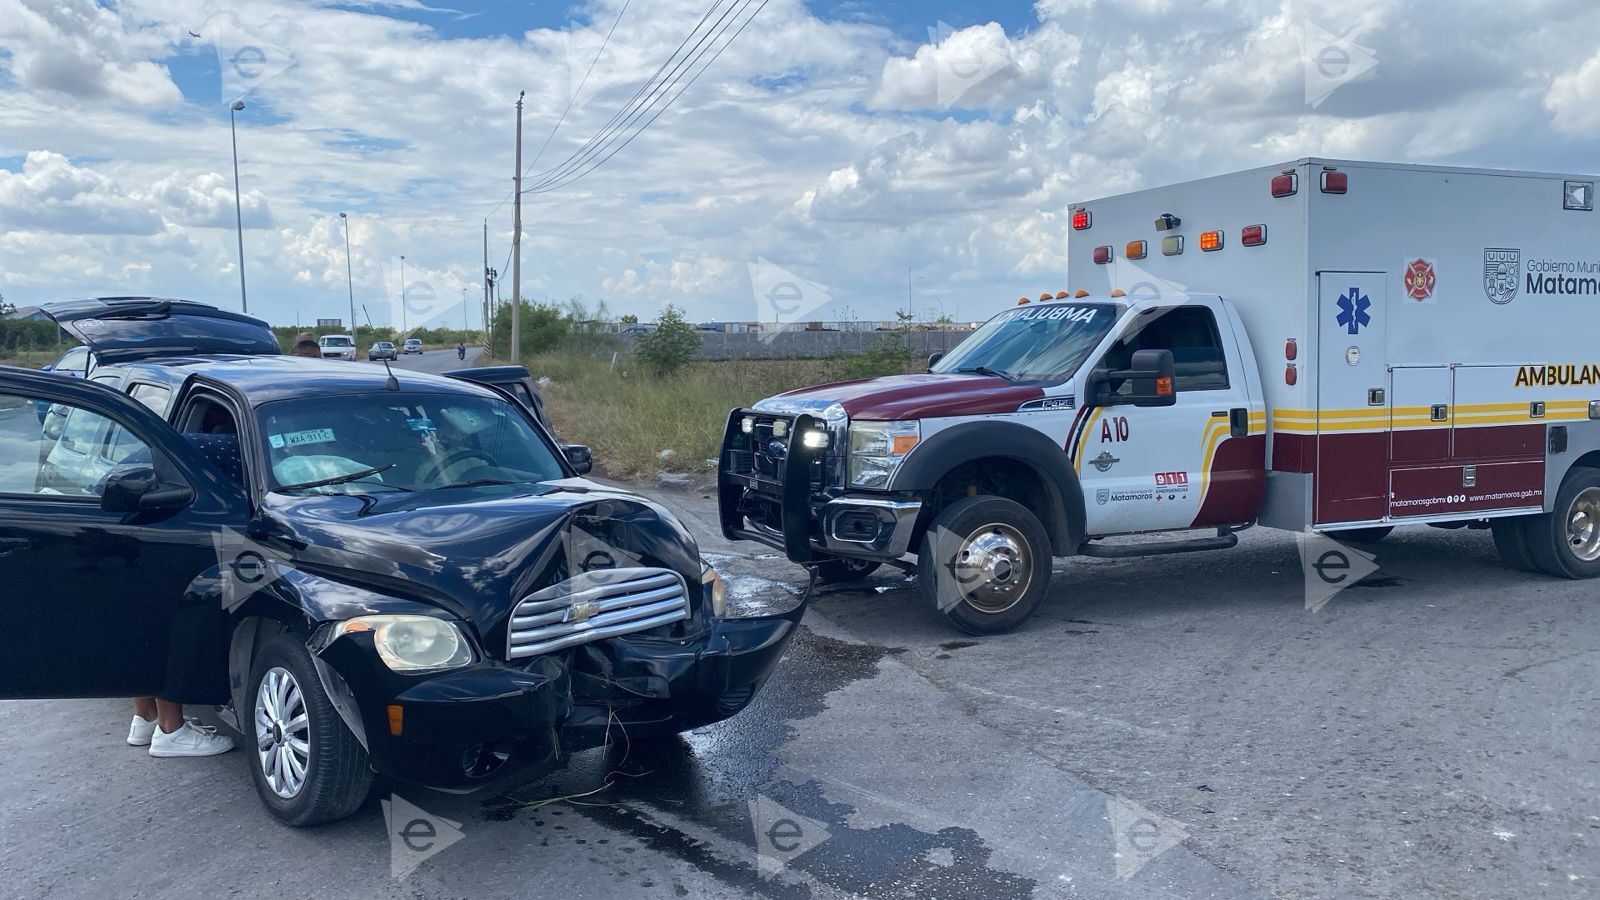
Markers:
190,740
140,731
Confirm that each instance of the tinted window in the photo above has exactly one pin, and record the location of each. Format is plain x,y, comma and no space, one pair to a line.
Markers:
1190,332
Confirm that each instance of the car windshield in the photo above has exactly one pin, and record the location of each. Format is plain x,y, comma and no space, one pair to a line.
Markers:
409,442
1033,343
336,342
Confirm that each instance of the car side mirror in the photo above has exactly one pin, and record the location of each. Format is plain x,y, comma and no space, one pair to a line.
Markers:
933,359
139,489
579,458
48,367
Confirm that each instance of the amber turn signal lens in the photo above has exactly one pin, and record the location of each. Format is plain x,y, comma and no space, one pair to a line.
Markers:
1136,249
1210,240
397,719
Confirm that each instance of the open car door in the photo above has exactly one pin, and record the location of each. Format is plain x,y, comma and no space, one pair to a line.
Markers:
126,329
102,568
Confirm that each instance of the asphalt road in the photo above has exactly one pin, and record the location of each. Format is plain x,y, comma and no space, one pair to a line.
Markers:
1171,727
436,361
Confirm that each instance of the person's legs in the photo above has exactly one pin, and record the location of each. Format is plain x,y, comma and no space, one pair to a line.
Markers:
169,715
174,737
144,721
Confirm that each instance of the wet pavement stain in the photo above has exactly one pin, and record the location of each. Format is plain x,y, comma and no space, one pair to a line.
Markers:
717,778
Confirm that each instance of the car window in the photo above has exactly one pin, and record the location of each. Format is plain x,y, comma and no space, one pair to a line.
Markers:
155,396
419,441
73,360
1190,332
74,464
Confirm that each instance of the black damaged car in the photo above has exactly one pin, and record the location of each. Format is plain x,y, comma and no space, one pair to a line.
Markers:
370,573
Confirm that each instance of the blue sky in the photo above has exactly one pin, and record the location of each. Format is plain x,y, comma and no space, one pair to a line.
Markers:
881,155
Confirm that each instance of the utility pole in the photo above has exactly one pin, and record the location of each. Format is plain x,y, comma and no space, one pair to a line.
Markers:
350,280
486,283
516,247
403,326
238,213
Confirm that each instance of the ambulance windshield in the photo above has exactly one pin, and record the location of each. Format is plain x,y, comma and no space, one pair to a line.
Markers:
1033,343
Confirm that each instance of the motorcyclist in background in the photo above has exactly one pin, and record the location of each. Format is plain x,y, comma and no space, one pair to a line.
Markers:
461,350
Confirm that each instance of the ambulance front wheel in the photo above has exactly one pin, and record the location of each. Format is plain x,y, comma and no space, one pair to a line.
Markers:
985,564
1565,542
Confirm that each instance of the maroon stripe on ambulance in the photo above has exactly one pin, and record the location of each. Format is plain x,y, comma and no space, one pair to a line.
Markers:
1500,440
1072,433
1437,490
1238,482
1352,482
1293,452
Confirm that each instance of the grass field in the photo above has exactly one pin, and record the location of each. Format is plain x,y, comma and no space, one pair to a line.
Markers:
628,416
30,359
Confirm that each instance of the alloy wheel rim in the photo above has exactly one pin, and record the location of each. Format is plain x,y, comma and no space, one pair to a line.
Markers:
1583,525
993,568
283,733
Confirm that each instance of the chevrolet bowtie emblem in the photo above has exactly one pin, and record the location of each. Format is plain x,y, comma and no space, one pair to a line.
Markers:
581,611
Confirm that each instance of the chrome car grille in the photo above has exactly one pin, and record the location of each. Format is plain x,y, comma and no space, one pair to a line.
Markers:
593,605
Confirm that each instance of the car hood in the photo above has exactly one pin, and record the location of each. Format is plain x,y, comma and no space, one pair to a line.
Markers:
476,551
909,397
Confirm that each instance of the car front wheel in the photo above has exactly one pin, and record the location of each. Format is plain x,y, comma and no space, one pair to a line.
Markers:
307,765
985,564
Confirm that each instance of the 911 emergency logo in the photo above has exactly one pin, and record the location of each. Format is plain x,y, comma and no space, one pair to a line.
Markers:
1501,267
1420,280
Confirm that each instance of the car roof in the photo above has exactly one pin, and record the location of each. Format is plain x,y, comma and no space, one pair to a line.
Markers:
264,379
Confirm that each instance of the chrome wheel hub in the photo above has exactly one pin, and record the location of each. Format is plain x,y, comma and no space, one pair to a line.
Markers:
1583,525
283,733
993,568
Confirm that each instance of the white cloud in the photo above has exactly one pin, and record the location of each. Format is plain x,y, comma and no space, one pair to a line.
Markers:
820,145
85,51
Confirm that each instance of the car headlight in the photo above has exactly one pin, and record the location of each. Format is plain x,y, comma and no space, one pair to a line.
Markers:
718,590
413,644
878,448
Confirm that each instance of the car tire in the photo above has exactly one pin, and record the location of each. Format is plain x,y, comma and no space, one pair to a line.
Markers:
1566,541
843,570
336,776
984,564
1511,542
1362,535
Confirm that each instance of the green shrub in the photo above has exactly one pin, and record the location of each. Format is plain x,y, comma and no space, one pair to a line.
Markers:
672,344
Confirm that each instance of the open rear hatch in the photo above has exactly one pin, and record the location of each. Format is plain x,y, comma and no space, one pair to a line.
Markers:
125,329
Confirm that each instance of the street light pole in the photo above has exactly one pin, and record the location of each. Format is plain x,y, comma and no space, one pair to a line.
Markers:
403,326
238,214
350,280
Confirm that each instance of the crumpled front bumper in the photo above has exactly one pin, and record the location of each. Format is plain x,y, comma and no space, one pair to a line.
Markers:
491,721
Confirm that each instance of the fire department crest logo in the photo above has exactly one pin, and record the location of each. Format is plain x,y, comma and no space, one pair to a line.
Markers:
1420,279
1501,266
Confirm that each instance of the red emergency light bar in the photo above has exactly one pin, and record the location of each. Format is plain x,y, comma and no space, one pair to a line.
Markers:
1080,220
1253,235
1335,182
1285,184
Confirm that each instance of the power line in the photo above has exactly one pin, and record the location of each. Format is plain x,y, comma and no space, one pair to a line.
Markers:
572,99
544,189
590,157
648,82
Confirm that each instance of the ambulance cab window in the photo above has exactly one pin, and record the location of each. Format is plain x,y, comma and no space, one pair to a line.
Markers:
1190,332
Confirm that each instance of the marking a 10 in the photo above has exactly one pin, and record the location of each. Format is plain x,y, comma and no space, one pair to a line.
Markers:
1114,429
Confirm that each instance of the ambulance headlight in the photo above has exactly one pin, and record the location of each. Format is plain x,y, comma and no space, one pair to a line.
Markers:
878,448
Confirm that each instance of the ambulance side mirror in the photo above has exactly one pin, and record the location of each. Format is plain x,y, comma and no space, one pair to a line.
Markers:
1152,377
1149,382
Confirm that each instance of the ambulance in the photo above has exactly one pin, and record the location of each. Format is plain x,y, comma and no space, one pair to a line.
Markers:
1322,346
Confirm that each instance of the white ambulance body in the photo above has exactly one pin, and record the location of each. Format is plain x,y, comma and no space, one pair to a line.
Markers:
1322,346
1427,339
